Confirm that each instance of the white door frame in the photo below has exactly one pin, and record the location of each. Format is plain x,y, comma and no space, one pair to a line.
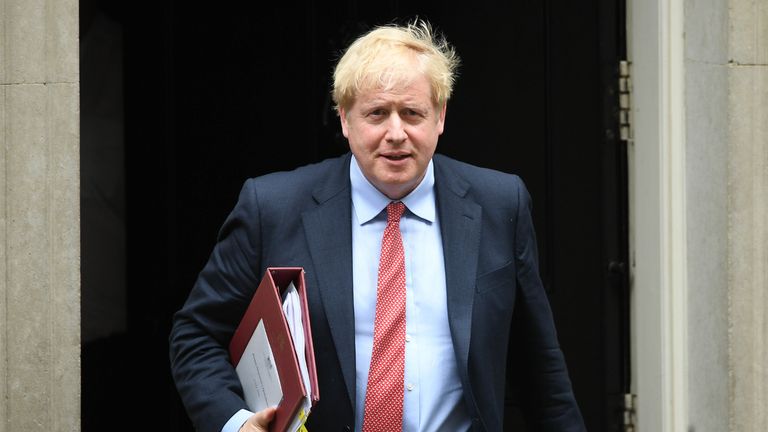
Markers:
657,215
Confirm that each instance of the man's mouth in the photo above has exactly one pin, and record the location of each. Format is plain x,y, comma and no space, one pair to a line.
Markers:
395,157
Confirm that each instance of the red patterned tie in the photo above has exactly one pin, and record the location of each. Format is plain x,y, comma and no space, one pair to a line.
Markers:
384,397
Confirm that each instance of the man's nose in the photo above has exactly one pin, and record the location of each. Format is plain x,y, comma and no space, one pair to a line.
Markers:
396,129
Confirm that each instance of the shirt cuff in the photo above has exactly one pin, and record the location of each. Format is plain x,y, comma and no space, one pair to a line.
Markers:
236,421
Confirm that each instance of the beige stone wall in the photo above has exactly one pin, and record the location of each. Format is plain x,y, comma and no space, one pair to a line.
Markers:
707,152
748,215
39,216
727,204
748,248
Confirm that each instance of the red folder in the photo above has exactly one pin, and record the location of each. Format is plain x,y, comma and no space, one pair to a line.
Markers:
266,306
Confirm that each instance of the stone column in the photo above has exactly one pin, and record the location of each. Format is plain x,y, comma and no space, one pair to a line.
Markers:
39,216
707,152
748,215
727,223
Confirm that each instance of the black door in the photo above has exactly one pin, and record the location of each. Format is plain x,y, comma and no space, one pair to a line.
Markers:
218,93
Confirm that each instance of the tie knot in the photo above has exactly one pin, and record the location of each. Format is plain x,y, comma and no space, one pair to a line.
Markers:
395,211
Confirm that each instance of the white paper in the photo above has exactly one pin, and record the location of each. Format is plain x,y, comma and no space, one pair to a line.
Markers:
292,312
258,372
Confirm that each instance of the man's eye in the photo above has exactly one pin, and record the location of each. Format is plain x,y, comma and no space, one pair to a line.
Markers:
412,113
377,113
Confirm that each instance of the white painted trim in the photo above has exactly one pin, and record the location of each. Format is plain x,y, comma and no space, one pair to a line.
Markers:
658,215
674,182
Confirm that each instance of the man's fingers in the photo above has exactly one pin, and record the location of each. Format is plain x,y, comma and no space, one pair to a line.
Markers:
265,416
259,422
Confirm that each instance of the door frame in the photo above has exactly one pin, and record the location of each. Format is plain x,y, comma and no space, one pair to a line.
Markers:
657,215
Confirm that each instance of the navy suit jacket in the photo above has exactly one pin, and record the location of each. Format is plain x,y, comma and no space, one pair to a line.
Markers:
497,307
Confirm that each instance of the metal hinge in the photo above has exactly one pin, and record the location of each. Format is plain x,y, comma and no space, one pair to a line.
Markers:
625,101
629,412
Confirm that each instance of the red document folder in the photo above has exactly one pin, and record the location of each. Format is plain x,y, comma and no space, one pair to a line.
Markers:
266,306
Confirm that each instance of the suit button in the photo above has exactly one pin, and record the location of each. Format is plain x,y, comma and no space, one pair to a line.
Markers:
347,428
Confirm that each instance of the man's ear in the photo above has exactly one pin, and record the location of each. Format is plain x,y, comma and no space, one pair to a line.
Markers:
441,119
343,118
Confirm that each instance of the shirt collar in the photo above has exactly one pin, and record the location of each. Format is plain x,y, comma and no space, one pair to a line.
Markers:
368,202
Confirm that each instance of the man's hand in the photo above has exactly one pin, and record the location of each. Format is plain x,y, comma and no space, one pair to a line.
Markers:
259,422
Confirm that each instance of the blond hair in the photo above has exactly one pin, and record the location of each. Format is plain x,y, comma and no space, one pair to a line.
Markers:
390,56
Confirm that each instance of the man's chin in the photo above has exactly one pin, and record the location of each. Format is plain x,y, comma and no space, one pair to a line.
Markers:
396,189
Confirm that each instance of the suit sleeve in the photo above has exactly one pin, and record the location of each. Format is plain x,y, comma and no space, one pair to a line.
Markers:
202,328
546,394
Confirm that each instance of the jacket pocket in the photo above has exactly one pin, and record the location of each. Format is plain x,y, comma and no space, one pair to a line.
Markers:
496,279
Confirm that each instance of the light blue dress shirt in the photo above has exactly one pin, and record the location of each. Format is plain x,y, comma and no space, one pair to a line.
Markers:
432,389
433,392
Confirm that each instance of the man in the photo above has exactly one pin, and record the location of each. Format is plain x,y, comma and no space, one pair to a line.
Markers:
421,270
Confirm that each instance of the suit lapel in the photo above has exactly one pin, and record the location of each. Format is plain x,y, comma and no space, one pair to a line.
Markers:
329,236
460,219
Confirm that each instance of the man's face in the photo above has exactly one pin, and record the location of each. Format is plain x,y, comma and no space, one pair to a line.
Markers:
393,135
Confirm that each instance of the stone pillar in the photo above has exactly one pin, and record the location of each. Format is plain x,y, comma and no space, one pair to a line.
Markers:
727,223
707,151
39,216
748,214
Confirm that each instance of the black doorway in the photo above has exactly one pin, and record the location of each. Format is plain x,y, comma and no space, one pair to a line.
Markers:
217,93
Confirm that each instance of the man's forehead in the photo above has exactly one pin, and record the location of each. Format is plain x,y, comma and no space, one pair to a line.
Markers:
406,92
391,95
